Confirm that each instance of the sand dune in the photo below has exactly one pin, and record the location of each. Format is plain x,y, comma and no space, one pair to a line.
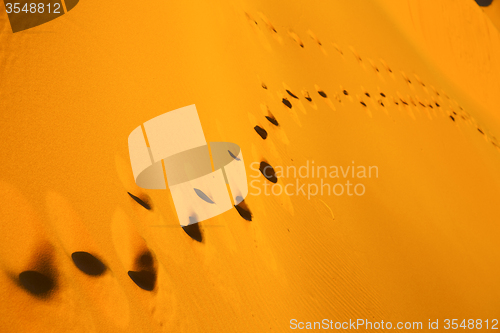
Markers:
493,12
410,88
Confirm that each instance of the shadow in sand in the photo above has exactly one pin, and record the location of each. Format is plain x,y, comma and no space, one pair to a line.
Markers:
145,274
193,230
243,209
144,279
41,279
36,283
140,201
268,172
262,132
88,264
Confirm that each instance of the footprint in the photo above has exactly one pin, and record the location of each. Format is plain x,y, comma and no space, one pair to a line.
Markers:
28,253
376,70
268,114
356,55
264,86
401,98
256,29
267,22
296,38
40,280
494,142
466,116
143,279
308,98
271,28
337,98
262,132
339,51
374,66
243,209
88,263
365,92
382,104
193,230
364,105
289,91
285,101
22,225
316,39
144,273
272,120
420,102
313,36
325,97
405,77
289,105
268,172
412,101
322,93
145,202
419,80
346,93
90,273
36,286
291,94
435,91
381,93
36,283
152,287
251,19
388,69
422,84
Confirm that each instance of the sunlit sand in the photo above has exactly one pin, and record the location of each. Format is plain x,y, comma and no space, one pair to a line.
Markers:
410,87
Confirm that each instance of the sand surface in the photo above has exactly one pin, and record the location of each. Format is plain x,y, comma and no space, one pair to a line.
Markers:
420,244
493,12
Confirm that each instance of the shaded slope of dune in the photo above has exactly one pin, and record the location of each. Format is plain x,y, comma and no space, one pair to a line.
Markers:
493,13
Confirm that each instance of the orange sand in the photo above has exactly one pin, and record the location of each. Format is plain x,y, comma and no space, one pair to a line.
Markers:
422,243
493,12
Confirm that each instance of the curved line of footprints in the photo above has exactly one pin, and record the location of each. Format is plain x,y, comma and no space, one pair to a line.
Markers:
380,99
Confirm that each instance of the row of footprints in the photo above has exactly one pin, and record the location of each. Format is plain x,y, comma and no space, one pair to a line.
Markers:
51,257
42,280
434,99
382,100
